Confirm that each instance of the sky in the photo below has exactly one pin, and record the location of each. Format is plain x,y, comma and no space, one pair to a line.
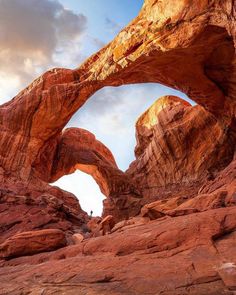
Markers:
63,33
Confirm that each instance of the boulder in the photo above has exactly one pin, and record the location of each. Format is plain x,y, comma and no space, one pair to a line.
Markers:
29,243
77,238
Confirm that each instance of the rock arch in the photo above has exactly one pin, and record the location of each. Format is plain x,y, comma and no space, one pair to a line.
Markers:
189,46
79,149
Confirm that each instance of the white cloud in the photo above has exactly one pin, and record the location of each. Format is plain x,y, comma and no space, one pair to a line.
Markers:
8,86
34,36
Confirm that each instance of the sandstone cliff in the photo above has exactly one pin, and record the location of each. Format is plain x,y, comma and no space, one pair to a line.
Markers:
174,208
178,147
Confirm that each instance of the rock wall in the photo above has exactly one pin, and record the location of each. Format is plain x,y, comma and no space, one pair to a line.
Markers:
179,147
181,243
188,46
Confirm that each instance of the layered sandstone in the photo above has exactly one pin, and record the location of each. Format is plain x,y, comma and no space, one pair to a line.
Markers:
79,149
178,146
184,242
196,255
28,243
189,47
36,207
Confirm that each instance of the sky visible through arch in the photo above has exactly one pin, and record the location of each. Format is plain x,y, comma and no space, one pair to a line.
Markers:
48,33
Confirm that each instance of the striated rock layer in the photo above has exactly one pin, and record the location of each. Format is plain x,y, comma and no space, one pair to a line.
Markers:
196,255
179,146
180,191
28,243
189,47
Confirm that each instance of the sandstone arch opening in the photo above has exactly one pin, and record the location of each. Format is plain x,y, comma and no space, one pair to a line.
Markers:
188,242
85,188
150,53
205,65
111,114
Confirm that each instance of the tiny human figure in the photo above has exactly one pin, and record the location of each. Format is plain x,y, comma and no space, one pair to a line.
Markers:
91,213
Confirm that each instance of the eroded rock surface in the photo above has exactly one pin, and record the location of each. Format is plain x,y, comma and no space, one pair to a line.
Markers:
184,242
189,47
194,256
33,242
179,146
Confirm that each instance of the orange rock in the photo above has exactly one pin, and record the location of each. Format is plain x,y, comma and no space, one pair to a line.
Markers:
77,238
79,149
158,209
189,47
177,144
28,243
107,224
38,210
184,251
103,226
182,151
93,223
132,222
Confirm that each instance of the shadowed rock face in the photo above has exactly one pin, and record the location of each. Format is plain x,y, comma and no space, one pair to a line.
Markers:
184,242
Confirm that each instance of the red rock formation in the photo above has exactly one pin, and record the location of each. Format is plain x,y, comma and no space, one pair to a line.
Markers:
78,149
28,243
178,146
192,254
184,151
39,210
77,238
188,47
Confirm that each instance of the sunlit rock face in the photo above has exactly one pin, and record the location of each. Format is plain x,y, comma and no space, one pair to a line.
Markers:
187,46
184,243
179,147
33,242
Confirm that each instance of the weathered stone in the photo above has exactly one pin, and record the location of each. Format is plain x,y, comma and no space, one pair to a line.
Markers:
181,255
93,223
158,209
29,243
77,238
182,151
180,145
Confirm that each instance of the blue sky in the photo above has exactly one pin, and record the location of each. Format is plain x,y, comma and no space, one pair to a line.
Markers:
105,18
120,12
64,33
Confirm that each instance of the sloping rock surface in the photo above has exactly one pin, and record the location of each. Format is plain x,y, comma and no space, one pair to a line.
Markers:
192,254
